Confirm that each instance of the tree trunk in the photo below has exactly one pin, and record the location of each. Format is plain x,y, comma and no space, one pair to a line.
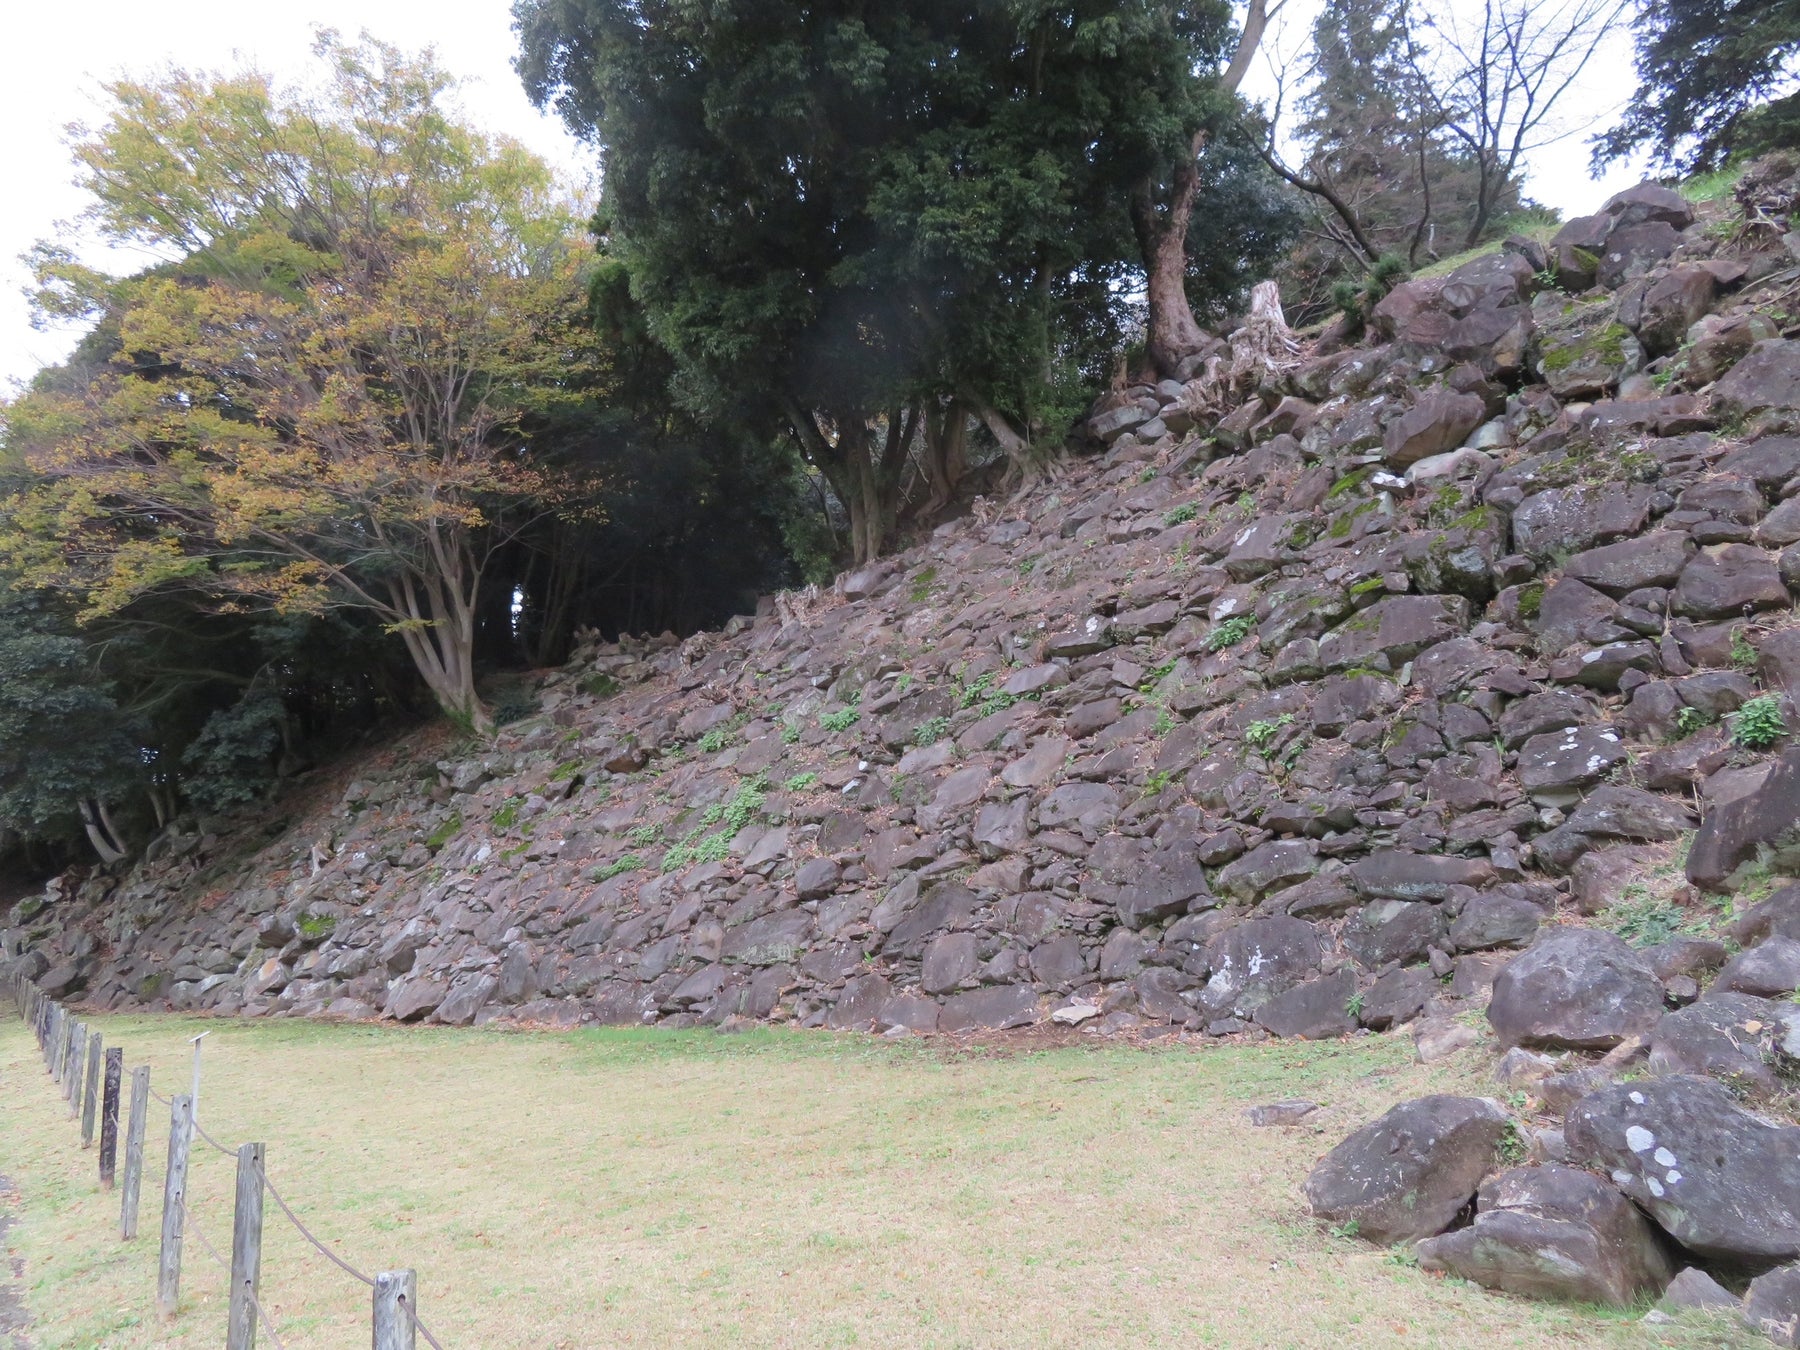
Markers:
100,833
442,646
1172,334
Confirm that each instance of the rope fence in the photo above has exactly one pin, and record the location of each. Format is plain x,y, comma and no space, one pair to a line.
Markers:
90,1077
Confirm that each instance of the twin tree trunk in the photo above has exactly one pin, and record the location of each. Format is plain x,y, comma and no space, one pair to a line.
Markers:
438,628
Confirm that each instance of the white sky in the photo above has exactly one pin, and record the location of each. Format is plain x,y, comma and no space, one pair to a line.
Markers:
54,55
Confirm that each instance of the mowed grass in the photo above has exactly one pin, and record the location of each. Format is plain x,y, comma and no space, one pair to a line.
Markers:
644,1188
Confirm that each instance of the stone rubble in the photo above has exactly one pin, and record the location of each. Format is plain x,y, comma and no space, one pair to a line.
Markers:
1331,712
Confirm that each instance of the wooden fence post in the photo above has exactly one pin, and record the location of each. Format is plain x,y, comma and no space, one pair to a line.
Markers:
72,1068
246,1249
168,1266
134,1153
91,1093
109,1117
396,1296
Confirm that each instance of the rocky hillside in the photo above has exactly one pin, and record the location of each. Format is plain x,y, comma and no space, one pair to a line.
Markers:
1323,683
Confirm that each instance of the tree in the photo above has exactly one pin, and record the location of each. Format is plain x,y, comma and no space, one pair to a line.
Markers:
68,753
1495,76
1715,78
1378,165
314,404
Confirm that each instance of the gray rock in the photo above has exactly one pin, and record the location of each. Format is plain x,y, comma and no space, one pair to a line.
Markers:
1771,969
1772,1305
1408,1174
998,1008
1766,380
1764,823
1394,875
1720,1181
1316,1010
1555,768
1579,517
1732,1037
1693,1289
1554,1233
1653,559
1393,930
1576,989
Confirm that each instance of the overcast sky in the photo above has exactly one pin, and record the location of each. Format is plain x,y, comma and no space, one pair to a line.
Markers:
54,55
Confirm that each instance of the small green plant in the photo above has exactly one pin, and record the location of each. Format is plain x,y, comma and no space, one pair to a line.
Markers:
1156,677
1157,782
1262,733
563,772
931,731
1350,1228
981,694
715,740
507,815
1690,720
1743,655
922,584
1246,504
1148,475
841,720
789,734
1165,722
444,833
1229,633
1512,1148
1181,515
598,685
801,781
643,835
316,926
618,867
1354,1006
1758,724
903,685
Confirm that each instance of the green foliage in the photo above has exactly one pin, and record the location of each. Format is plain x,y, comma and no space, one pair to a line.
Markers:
1743,655
643,835
1229,633
1714,80
316,926
801,781
981,694
507,814
922,584
444,833
1157,783
1759,723
1181,515
931,731
231,763
629,862
716,739
1353,1006
1690,720
598,685
1261,733
1356,300
841,720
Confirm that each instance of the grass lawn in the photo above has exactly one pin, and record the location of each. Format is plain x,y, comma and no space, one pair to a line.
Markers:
644,1188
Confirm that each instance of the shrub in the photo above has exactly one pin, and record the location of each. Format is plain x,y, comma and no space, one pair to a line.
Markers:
1229,633
1759,723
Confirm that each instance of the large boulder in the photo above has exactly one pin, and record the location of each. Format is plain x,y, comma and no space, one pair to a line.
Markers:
1409,1174
1722,1182
1439,421
1255,961
1555,1233
1767,380
1576,989
1762,824
1737,1038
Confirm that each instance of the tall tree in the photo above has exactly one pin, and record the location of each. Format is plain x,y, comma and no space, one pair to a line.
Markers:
314,405
1497,74
1715,77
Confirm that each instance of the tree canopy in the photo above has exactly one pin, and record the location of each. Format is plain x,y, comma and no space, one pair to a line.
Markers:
1715,78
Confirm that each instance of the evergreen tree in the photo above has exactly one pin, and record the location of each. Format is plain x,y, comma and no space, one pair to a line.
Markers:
1715,78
